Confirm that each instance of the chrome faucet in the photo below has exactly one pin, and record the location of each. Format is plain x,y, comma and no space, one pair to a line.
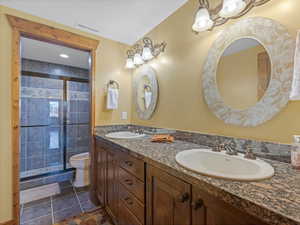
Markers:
230,150
227,147
139,131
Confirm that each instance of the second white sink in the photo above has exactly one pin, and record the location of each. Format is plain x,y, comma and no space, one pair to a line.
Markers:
124,135
221,165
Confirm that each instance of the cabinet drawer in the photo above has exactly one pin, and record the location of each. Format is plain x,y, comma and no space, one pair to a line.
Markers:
132,184
126,217
133,165
132,203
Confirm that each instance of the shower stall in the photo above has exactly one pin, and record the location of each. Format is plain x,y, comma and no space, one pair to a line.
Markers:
55,117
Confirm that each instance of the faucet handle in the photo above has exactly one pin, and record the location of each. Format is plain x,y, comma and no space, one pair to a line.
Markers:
230,150
249,153
217,148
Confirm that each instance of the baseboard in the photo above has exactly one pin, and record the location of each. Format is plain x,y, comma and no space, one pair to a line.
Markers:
10,222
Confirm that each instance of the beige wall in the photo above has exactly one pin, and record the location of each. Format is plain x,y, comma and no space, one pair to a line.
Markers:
181,104
237,78
109,64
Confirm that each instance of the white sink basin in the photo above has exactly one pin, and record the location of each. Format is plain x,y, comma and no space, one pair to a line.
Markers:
124,135
221,165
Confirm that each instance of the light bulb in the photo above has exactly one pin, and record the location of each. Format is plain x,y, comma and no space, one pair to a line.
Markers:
147,54
64,56
129,63
137,60
232,8
203,21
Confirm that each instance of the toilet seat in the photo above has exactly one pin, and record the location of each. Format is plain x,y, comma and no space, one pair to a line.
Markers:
81,156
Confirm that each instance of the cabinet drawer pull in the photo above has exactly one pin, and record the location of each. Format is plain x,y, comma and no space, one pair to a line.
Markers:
185,197
129,201
129,182
129,163
198,204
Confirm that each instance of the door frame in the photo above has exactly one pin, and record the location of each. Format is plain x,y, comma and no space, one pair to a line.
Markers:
26,28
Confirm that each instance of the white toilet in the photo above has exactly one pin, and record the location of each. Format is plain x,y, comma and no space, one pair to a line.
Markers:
82,164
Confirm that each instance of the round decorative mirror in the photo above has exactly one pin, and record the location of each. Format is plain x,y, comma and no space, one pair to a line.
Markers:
244,72
145,92
248,73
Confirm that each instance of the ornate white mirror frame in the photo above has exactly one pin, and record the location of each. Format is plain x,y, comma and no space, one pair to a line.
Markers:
148,72
280,47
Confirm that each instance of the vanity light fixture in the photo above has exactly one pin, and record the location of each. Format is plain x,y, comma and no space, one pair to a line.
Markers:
141,54
207,18
129,61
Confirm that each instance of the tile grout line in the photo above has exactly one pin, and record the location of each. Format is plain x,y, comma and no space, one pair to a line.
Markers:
78,199
52,211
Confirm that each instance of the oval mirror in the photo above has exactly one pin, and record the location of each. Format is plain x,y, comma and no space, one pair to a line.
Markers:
146,92
249,99
243,73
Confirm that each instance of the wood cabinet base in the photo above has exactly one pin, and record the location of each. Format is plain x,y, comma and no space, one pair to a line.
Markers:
165,200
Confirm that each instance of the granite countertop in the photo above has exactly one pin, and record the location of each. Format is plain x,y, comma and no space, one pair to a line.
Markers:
275,201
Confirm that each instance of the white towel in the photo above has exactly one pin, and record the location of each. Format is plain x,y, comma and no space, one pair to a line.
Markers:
112,98
148,98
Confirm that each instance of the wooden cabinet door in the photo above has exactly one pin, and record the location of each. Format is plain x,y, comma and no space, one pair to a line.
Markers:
199,209
168,199
101,175
112,186
208,210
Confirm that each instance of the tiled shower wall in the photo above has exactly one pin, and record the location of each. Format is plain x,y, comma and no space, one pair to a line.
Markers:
42,135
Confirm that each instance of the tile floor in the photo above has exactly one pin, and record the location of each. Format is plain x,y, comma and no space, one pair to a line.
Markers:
70,202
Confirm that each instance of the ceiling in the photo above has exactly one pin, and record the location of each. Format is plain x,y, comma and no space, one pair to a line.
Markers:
125,21
47,52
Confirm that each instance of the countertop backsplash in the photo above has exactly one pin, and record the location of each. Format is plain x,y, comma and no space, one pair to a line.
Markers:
268,150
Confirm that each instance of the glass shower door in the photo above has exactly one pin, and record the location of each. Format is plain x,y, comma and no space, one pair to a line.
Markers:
77,119
41,126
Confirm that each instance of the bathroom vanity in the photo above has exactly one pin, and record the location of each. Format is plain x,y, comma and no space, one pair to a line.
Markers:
139,182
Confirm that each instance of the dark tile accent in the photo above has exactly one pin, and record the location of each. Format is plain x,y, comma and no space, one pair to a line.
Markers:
67,176
54,69
36,209
67,213
31,184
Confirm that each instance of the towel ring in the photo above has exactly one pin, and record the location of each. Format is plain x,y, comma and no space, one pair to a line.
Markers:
147,88
113,83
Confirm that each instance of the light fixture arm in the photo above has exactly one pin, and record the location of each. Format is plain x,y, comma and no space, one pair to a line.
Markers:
219,18
204,3
148,42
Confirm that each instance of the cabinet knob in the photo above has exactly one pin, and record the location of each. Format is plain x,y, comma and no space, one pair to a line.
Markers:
185,197
128,182
197,204
129,201
128,163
